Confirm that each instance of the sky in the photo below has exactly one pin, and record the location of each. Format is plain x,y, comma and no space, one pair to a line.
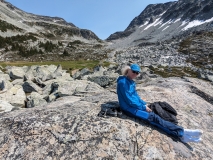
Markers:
103,17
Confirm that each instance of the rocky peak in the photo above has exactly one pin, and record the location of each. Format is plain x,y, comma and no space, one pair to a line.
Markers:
158,22
148,13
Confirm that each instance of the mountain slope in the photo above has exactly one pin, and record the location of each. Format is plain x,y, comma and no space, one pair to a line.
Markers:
160,22
35,23
30,37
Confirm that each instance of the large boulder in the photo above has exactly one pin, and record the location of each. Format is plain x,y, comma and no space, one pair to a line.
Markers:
68,88
48,72
103,76
18,81
52,68
209,77
35,99
47,89
58,72
15,96
5,84
5,106
16,72
29,87
4,76
43,73
80,74
65,76
103,81
29,75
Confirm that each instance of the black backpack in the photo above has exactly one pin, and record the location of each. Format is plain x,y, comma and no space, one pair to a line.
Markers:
165,111
110,108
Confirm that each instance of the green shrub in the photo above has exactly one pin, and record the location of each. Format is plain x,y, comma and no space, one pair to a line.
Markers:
48,46
97,46
75,42
60,43
174,71
65,53
4,26
27,53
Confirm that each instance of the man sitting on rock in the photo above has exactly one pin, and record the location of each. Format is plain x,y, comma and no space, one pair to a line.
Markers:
133,105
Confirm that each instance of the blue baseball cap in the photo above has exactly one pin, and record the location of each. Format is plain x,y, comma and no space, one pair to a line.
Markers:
135,67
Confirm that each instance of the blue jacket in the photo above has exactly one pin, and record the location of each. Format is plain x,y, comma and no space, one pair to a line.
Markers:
128,97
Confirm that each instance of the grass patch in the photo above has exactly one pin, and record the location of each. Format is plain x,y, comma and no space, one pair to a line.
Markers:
66,65
104,64
185,44
174,71
199,48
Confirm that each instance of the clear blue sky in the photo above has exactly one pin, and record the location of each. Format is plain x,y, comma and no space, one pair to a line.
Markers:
103,17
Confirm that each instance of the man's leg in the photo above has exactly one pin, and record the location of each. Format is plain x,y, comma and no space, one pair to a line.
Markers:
156,120
185,135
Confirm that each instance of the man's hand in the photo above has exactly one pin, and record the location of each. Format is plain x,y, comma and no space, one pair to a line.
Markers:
148,109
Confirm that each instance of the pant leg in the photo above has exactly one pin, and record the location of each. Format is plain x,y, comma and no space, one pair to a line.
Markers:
156,120
167,126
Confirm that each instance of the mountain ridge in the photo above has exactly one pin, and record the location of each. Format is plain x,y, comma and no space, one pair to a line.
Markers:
159,22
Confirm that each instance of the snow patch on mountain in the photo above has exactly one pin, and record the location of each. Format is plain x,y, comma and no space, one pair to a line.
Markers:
177,20
165,28
156,22
167,23
195,23
144,24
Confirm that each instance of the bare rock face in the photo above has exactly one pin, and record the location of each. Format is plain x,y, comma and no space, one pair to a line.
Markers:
69,127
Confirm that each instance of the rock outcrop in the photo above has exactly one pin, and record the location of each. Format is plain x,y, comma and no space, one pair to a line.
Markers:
38,85
68,127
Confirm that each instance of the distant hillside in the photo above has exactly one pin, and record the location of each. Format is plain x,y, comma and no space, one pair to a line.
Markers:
26,36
